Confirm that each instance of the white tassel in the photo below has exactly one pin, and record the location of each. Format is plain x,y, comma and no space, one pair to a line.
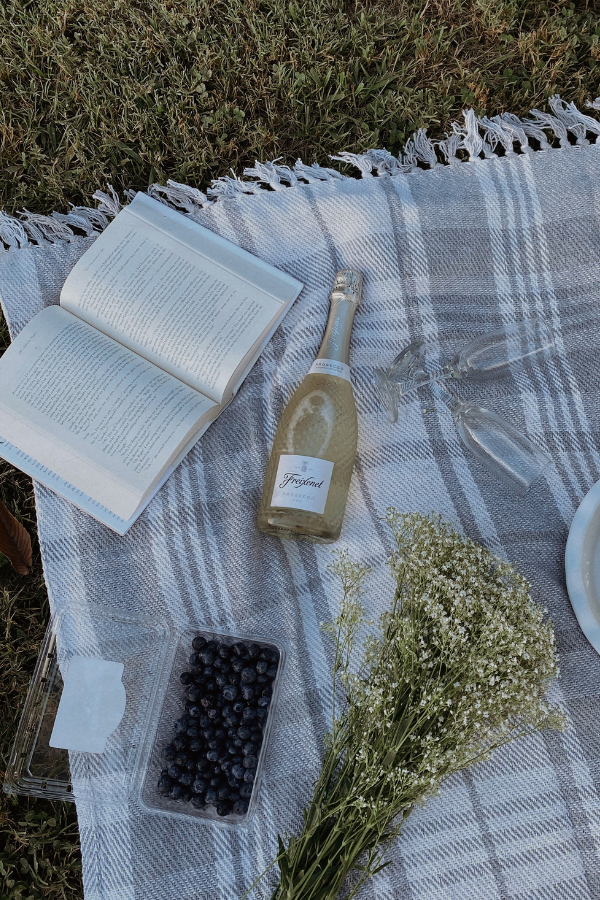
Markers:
230,186
571,122
594,104
97,219
512,124
48,227
314,173
12,232
360,160
385,163
449,148
178,196
495,134
265,173
421,149
576,122
108,203
471,139
545,120
534,131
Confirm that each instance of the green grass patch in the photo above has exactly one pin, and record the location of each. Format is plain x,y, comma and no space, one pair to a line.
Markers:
97,91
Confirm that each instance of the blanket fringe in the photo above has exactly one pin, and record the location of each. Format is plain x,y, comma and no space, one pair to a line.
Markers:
475,139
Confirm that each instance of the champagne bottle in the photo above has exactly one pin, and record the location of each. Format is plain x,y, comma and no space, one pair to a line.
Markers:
308,475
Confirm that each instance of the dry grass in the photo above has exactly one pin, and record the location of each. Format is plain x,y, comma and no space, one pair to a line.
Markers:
134,92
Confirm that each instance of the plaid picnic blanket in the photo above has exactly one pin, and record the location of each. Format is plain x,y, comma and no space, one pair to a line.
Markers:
447,251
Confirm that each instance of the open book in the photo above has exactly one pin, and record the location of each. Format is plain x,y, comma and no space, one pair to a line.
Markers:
158,325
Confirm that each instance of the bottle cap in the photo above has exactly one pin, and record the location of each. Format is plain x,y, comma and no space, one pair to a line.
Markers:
348,286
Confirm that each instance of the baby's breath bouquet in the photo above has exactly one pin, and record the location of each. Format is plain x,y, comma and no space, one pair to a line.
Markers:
458,666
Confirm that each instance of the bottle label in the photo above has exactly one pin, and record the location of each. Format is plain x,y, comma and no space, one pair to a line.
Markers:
330,367
302,482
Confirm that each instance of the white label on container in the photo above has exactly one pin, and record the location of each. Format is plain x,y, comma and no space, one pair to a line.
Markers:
330,367
91,705
302,482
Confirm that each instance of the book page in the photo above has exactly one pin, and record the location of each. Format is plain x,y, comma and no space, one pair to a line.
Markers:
96,414
149,282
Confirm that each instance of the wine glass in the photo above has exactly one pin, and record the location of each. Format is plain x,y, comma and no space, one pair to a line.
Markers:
503,450
482,357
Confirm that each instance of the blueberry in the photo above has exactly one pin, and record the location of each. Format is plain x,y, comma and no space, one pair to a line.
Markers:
187,795
193,731
206,702
185,678
194,693
239,707
194,659
177,792
249,776
246,791
164,785
212,755
223,793
250,762
238,648
264,702
272,671
232,750
221,679
186,779
195,745
243,732
254,650
208,733
248,675
255,735
180,742
238,772
216,771
261,666
240,808
249,749
226,766
237,759
182,758
263,680
220,734
215,783
224,651
195,711
206,657
211,795
208,671
231,781
174,771
223,809
231,721
198,801
247,692
249,714
198,642
191,766
200,786
182,724
214,744
236,665
267,691
202,765
232,678
230,692
168,752
261,713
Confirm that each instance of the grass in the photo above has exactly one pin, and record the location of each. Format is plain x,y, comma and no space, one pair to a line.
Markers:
97,91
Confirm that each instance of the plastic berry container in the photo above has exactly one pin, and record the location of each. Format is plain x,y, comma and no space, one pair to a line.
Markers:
107,697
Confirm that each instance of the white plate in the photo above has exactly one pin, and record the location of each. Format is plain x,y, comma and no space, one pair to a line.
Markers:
582,565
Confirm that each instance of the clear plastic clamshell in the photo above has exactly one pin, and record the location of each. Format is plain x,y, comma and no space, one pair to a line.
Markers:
103,702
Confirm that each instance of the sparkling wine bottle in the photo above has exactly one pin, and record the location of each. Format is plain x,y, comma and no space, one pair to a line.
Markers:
308,476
